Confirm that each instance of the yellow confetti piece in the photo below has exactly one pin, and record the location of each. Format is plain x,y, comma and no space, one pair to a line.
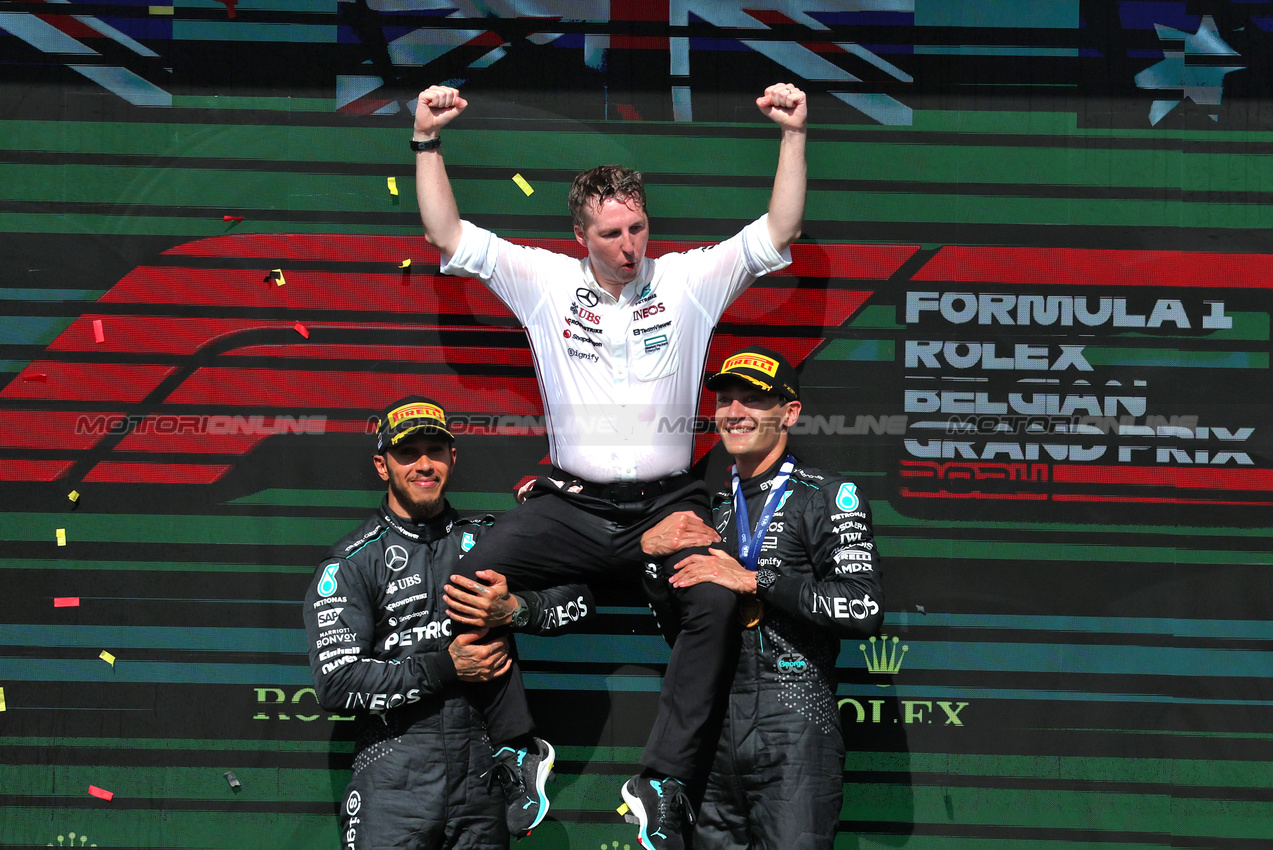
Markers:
405,264
2,707
393,185
61,537
161,10
522,184
107,657
279,280
74,495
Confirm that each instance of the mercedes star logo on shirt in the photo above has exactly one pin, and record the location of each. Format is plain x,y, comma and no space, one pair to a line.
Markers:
587,297
396,558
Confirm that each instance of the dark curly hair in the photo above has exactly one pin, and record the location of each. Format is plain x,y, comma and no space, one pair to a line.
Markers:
597,185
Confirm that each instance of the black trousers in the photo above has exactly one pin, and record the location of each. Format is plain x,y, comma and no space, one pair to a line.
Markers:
557,537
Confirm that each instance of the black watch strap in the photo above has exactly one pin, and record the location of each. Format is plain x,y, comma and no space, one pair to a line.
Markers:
427,145
765,579
521,617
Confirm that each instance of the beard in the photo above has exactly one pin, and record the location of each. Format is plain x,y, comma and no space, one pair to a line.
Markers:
422,506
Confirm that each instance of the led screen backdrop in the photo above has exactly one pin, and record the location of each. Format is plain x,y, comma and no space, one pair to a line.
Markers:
1031,311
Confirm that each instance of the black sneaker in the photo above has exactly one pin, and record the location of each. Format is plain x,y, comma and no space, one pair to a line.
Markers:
523,774
659,808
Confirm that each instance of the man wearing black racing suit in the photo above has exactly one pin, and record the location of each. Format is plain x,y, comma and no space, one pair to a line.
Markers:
796,545
378,617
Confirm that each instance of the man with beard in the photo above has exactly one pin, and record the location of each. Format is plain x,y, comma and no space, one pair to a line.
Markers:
380,646
806,573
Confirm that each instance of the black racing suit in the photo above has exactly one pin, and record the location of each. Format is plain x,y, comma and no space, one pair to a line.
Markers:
378,632
777,778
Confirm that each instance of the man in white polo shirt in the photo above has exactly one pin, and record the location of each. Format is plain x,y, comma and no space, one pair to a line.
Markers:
619,341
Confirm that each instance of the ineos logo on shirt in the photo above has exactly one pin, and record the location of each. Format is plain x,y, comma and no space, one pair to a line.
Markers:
587,297
396,558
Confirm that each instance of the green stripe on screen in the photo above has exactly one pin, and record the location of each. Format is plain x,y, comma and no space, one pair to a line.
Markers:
1193,773
244,31
1247,327
268,745
1096,553
494,502
157,528
164,826
130,224
326,105
1105,356
880,350
530,148
876,317
152,566
886,515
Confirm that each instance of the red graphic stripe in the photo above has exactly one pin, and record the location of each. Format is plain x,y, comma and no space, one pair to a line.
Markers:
33,470
819,308
171,433
126,382
845,262
1150,500
274,388
453,354
908,493
435,296
306,290
1201,478
44,429
112,472
1082,266
176,335
364,106
795,349
330,247
154,334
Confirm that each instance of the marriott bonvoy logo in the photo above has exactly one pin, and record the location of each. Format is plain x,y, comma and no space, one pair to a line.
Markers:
884,657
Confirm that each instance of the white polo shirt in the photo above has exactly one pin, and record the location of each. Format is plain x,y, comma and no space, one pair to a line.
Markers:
620,378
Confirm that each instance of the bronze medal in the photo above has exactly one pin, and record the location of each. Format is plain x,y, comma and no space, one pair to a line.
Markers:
750,611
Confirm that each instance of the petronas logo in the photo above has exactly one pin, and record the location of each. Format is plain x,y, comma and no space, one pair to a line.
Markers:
69,840
883,658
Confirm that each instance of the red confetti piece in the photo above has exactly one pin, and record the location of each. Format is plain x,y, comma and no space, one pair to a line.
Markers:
101,792
99,333
229,8
301,329
35,376
66,602
232,217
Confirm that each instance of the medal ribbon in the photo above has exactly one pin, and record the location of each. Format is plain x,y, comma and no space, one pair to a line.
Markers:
749,542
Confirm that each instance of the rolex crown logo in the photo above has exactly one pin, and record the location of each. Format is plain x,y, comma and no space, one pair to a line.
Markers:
883,658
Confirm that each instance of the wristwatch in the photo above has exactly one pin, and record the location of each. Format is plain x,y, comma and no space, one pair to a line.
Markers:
765,579
521,617
427,145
